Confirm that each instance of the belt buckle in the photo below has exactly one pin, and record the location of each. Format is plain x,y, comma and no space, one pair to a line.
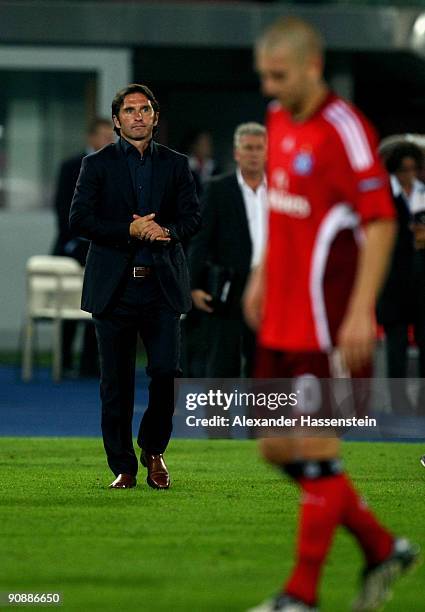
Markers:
140,272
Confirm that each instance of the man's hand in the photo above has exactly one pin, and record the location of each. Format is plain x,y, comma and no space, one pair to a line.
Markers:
253,298
200,300
356,336
145,228
419,235
356,340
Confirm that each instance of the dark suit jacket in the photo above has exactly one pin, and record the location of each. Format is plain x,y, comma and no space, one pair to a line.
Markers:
402,298
67,179
102,208
224,238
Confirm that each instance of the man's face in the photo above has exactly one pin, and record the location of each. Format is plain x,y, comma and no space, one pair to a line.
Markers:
103,136
202,148
251,154
407,172
284,76
136,117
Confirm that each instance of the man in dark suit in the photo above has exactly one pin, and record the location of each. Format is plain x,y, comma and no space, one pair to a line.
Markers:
136,201
232,237
99,134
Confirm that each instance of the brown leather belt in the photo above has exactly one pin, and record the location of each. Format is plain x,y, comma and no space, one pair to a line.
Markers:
142,272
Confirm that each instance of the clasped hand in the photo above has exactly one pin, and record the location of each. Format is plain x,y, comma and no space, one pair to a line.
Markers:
145,228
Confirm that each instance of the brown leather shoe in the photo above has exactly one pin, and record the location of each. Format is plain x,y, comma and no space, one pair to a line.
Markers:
158,476
123,481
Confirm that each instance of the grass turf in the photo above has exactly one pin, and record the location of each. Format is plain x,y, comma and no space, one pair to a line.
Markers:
220,540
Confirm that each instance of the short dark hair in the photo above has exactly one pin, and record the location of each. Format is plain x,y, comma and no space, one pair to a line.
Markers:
118,100
96,123
400,152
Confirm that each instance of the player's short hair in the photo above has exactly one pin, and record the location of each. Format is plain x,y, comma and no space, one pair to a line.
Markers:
118,100
294,31
248,129
399,152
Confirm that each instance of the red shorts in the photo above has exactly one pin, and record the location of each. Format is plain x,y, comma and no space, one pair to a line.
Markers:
271,363
304,368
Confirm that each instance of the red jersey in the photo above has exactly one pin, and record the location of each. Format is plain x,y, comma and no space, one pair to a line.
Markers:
325,180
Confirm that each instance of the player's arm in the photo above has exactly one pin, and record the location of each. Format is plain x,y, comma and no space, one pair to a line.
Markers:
356,336
253,298
362,180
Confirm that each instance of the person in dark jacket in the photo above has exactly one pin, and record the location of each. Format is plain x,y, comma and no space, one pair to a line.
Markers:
402,300
232,239
136,202
99,134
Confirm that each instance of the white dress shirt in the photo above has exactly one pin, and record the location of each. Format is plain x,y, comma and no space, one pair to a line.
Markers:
256,213
416,200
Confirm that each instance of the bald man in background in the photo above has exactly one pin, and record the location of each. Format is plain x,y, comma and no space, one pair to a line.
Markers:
312,299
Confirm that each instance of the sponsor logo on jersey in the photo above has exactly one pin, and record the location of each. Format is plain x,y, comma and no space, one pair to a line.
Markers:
287,144
288,203
280,178
303,163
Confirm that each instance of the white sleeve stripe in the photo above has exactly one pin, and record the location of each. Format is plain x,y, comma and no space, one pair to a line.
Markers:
360,155
352,135
346,116
354,152
358,129
356,134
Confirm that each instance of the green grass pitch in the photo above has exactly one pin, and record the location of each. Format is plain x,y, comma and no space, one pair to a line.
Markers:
221,539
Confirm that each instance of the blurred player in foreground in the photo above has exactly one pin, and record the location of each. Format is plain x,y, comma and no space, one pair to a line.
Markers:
316,290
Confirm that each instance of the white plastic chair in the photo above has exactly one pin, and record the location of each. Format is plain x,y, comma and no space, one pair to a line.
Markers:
54,286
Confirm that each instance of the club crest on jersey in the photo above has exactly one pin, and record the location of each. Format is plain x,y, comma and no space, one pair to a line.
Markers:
303,163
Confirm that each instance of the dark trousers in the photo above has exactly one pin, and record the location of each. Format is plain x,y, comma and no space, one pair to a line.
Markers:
194,344
89,357
141,308
231,353
396,350
231,347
